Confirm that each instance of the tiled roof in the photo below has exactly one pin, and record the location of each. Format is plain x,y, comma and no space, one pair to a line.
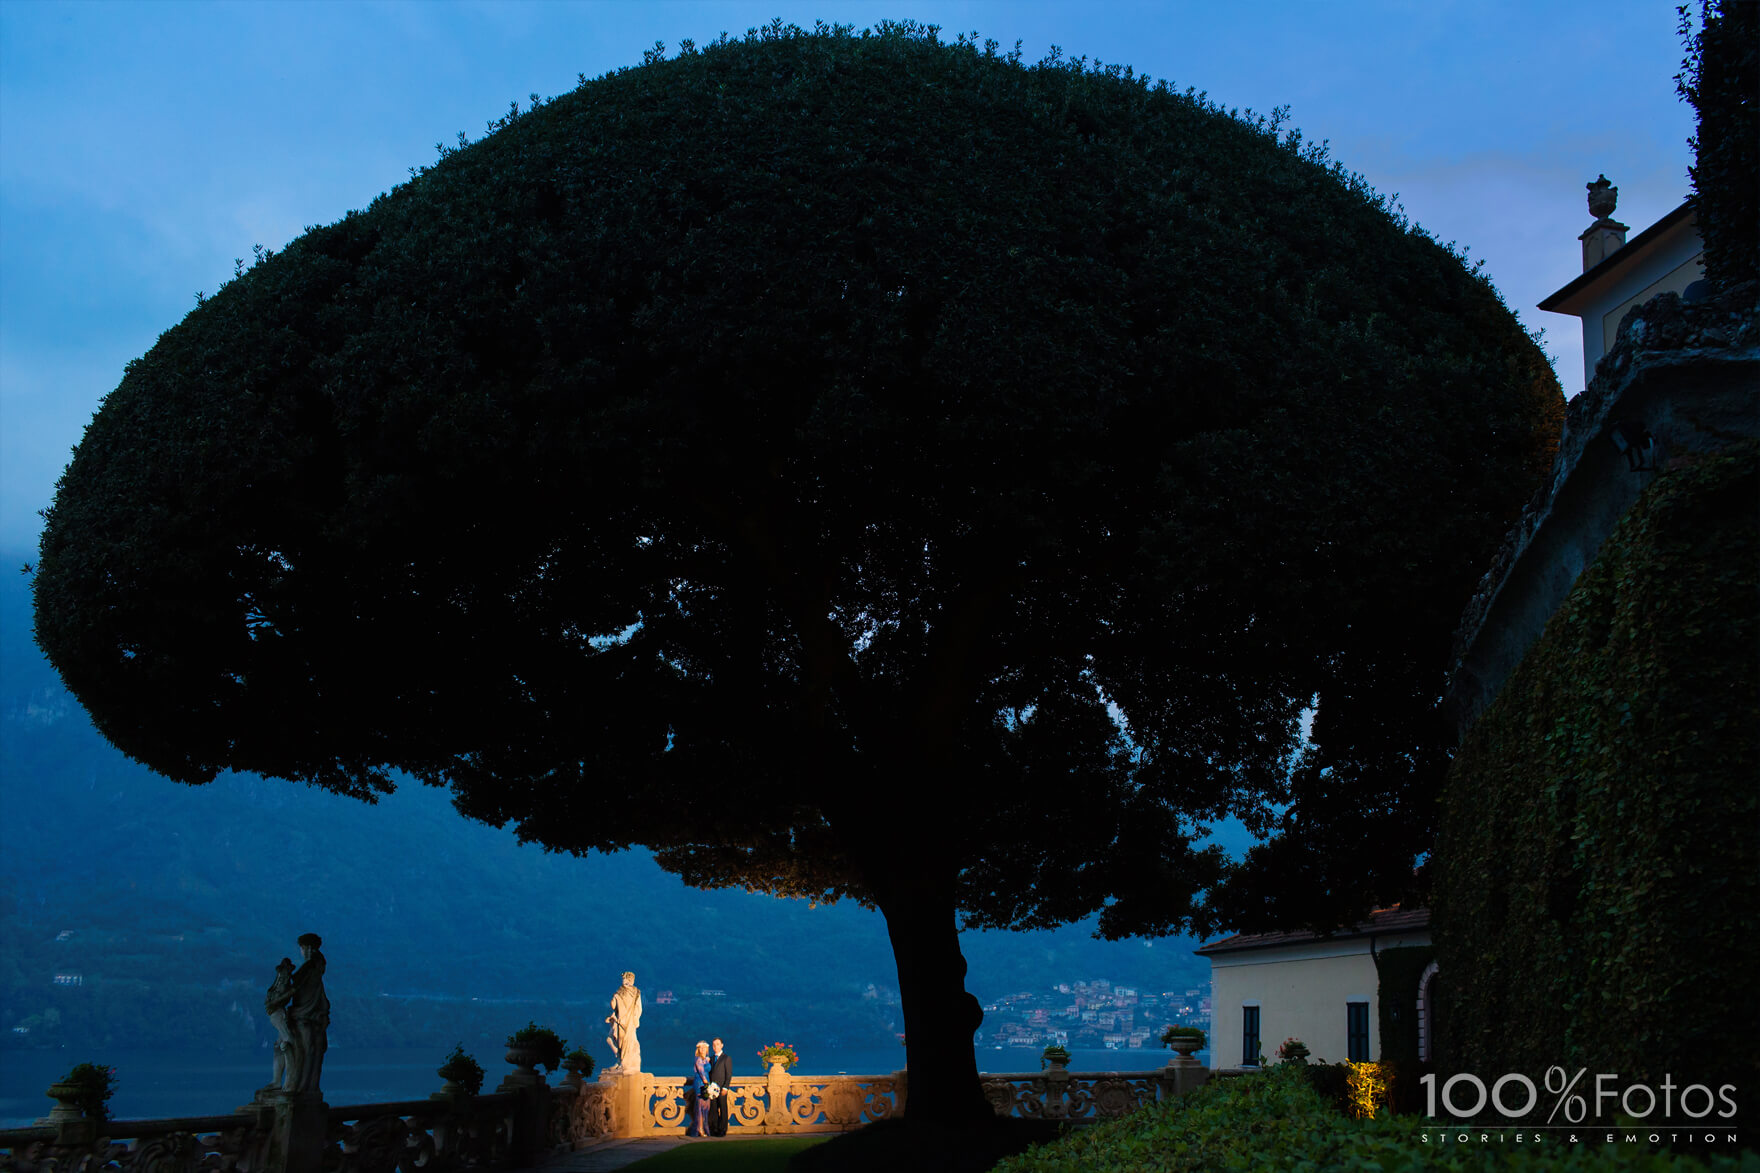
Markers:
1393,919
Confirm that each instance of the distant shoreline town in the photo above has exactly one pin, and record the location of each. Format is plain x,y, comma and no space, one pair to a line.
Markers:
1091,1014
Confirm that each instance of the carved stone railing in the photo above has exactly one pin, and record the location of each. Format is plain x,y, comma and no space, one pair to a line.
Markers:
583,1117
1074,1097
441,1134
647,1105
463,1132
220,1143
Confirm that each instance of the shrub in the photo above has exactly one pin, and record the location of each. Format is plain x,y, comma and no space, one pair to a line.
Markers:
1366,1089
1331,1082
463,1070
97,1083
542,1039
1276,1121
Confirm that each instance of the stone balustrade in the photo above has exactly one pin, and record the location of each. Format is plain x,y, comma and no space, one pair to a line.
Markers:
220,1143
780,1103
442,1134
527,1118
464,1132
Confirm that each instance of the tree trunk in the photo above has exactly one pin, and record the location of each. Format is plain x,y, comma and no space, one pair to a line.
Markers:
939,1015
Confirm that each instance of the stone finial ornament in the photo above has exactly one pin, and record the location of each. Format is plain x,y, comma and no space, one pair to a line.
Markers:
1606,236
625,1017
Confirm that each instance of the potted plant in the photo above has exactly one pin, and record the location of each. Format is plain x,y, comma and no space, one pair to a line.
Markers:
578,1064
1185,1040
1292,1050
532,1045
85,1091
462,1073
779,1055
1056,1057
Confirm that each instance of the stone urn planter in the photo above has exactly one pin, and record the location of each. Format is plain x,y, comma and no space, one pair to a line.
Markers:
526,1059
1185,1046
67,1097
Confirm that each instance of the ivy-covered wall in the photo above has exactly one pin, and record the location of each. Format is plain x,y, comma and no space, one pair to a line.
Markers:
1597,871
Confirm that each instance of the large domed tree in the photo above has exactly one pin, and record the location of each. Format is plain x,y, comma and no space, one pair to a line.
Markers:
846,464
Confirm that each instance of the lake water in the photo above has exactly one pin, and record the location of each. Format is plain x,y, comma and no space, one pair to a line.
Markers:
150,1085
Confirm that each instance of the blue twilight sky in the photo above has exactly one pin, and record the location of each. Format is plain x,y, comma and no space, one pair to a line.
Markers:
144,145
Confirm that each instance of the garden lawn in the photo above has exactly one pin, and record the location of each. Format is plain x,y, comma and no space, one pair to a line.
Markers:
769,1155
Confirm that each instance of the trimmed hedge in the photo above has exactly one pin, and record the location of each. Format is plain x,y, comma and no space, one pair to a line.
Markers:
1597,870
1277,1121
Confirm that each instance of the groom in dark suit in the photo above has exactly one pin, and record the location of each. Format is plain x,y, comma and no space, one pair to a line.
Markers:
720,1072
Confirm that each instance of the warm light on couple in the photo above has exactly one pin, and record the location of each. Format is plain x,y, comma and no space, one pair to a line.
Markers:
706,1092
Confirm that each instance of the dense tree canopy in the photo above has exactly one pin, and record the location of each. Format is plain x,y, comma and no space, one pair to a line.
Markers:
844,463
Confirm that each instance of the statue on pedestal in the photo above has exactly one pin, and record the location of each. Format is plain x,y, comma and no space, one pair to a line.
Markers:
308,1018
275,1006
625,1016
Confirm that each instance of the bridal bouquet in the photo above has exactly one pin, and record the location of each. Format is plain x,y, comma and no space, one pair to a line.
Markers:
714,1089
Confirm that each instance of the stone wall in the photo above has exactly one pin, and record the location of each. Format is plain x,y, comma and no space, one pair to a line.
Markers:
1687,372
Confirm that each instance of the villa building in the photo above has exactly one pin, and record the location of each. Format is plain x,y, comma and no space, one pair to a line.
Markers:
1620,275
1324,990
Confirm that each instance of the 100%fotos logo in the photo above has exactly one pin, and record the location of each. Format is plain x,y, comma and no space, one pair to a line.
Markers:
1513,1096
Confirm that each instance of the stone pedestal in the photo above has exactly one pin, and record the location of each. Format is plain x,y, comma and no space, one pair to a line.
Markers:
629,1106
529,1116
300,1127
1056,1090
1183,1075
776,1085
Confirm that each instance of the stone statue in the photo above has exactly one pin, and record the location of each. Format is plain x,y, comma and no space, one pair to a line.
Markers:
625,1016
308,1018
275,1006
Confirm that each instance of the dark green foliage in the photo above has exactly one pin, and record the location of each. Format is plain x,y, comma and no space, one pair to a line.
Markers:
790,456
549,1045
582,1060
1721,78
463,1070
96,1083
899,392
1331,1082
1278,1121
1597,870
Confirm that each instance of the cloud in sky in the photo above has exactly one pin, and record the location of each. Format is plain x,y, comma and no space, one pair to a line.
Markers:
143,147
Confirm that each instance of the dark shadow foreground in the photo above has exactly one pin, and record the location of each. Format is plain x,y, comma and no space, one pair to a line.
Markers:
893,1145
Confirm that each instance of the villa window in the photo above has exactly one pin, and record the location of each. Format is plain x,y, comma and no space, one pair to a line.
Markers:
1357,1031
1249,1036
